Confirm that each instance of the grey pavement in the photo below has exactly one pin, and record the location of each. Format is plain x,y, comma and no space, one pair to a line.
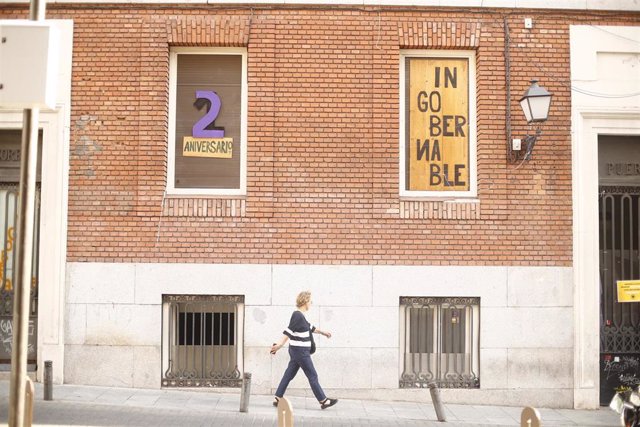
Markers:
106,406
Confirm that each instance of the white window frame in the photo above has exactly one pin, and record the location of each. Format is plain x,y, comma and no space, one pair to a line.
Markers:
173,80
473,181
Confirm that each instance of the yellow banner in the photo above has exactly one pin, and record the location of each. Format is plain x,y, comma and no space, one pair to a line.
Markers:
221,148
438,128
628,290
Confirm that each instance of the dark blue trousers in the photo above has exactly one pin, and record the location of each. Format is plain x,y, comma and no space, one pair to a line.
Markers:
301,358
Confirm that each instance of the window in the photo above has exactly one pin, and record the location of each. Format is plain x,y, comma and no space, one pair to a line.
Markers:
437,124
440,342
206,328
202,340
207,121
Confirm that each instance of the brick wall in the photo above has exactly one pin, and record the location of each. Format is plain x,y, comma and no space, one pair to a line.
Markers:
323,174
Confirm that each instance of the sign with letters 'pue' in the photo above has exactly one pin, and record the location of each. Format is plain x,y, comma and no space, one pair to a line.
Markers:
207,142
437,139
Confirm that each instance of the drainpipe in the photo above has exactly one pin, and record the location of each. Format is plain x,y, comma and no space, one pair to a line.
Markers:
507,71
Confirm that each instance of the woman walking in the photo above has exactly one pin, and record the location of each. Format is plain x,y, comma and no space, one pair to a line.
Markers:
301,346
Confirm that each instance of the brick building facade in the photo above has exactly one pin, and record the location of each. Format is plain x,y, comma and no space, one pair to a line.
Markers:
322,208
322,167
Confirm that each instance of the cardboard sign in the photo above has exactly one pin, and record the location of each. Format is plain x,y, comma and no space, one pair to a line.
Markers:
221,148
628,290
438,124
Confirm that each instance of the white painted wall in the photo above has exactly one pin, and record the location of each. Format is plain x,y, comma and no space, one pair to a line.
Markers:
605,75
114,320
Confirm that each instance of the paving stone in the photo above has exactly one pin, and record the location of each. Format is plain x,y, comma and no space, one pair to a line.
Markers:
104,406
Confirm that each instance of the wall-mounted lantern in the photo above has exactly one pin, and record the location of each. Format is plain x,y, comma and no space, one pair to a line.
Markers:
535,105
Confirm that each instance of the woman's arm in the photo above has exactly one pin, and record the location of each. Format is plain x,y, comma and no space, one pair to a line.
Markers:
279,345
325,333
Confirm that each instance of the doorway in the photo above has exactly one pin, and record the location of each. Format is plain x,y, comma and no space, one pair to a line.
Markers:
619,259
10,153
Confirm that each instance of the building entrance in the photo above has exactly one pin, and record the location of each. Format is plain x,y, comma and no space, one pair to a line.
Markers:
619,244
10,142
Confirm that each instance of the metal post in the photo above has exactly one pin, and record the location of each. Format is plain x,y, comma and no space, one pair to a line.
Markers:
24,252
245,392
48,380
437,403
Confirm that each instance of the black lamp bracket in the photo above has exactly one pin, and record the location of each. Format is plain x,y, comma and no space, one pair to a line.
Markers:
529,143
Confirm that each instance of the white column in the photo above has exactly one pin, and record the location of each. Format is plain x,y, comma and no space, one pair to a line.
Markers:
601,64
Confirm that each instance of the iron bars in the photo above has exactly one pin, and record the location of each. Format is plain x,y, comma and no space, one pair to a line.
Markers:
440,342
8,260
619,260
203,347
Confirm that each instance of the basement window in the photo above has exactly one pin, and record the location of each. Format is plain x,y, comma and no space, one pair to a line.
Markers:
202,340
440,342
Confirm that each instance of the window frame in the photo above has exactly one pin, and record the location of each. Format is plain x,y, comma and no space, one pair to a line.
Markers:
171,154
472,193
472,336
170,335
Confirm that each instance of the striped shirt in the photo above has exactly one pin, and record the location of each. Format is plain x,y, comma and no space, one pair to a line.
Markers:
299,330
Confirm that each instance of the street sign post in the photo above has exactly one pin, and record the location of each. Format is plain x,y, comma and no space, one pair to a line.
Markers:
33,100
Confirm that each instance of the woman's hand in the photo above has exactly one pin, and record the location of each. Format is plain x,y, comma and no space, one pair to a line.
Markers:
321,332
275,347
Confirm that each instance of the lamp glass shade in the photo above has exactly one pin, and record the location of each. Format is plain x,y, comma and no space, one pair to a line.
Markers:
526,109
535,103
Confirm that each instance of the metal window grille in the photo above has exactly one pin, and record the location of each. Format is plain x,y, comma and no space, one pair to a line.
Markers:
440,342
619,260
197,328
202,341
8,259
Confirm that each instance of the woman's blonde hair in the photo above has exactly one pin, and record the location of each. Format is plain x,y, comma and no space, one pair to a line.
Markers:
303,298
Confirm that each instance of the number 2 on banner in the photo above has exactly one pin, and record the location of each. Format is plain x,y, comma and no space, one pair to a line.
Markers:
200,127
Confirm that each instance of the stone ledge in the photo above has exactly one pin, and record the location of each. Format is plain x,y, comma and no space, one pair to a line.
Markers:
480,4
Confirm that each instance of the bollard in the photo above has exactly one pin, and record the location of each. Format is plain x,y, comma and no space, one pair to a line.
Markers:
437,403
530,417
245,392
48,380
285,413
30,393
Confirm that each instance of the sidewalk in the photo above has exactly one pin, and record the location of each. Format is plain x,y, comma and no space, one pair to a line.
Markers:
104,406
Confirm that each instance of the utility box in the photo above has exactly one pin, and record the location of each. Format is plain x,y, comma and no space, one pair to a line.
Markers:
28,64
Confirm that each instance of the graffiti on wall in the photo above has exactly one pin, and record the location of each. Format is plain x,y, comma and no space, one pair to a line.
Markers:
6,338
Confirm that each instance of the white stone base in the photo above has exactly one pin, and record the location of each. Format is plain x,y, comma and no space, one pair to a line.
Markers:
113,366
113,333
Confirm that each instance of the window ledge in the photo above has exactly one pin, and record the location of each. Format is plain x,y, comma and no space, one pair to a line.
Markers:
440,209
207,207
